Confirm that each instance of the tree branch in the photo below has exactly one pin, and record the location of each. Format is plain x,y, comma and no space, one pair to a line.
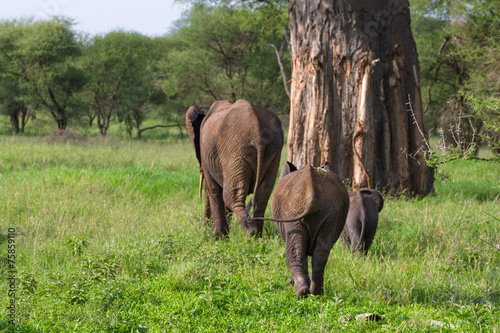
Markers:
139,132
445,41
282,69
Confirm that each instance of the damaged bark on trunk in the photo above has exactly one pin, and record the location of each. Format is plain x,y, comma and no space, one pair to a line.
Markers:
355,68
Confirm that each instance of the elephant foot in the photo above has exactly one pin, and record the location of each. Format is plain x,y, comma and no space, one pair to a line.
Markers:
303,293
316,289
221,237
221,234
253,232
302,284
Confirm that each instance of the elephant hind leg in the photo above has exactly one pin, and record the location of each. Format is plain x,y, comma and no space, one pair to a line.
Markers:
296,258
318,273
264,190
301,279
217,207
207,212
369,234
327,236
235,190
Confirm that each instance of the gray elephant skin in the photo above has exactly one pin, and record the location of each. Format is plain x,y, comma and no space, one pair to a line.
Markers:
362,220
319,200
238,146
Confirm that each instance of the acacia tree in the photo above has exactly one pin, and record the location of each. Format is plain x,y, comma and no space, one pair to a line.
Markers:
11,93
41,57
139,99
355,68
11,103
221,52
116,62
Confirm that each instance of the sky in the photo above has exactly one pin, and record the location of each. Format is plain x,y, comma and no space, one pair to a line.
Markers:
149,17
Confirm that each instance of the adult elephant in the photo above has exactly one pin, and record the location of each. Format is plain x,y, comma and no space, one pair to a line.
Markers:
362,220
318,201
238,146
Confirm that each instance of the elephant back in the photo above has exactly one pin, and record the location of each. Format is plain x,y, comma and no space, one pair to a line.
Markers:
242,121
373,195
309,190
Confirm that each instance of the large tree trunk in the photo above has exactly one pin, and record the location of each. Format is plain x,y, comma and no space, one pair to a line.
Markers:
355,67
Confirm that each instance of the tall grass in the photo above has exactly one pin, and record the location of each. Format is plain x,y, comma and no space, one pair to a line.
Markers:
110,238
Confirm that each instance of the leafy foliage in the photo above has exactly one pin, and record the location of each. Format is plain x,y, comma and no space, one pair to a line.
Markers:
457,44
40,56
221,50
123,78
214,52
489,110
220,53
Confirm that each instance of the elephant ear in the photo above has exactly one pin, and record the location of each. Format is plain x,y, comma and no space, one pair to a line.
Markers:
287,168
327,166
375,195
194,117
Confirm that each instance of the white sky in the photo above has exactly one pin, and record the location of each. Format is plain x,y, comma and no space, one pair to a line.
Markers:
149,17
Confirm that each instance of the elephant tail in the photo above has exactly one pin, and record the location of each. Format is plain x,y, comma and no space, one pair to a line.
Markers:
295,219
258,175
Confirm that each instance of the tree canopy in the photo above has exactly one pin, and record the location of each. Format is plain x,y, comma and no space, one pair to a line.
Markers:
40,57
218,53
213,52
225,50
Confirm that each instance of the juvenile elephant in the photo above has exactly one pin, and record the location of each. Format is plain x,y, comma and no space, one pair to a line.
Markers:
362,220
317,199
238,146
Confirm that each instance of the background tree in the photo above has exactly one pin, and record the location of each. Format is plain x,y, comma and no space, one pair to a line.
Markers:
42,55
457,43
12,105
355,69
117,62
11,93
221,52
141,98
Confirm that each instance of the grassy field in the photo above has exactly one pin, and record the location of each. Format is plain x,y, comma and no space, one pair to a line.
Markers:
110,238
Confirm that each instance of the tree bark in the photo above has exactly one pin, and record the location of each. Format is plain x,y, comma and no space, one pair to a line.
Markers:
355,67
91,119
61,120
103,124
24,119
14,122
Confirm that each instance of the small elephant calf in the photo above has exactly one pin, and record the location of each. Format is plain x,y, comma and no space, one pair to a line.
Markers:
362,220
317,202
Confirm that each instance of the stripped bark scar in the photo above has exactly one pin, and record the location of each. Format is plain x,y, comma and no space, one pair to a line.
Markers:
344,108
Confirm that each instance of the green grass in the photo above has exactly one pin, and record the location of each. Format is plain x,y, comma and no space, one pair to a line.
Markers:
110,238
